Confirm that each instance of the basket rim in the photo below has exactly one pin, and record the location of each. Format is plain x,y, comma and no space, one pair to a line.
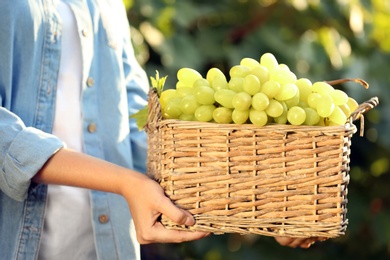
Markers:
270,126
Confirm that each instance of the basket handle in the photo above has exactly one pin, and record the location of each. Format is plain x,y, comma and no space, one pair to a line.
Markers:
361,109
364,107
356,80
154,110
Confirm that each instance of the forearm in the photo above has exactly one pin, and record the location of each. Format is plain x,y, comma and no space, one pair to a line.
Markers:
71,168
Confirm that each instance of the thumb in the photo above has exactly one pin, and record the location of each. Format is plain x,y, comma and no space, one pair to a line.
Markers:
176,214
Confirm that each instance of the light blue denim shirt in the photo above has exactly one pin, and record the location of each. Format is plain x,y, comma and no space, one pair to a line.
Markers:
114,86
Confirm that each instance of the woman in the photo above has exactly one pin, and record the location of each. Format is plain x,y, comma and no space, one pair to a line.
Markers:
71,162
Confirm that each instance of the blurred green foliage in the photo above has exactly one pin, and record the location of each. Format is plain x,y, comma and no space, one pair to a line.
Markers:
320,40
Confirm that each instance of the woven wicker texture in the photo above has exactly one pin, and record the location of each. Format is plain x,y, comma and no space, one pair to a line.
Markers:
272,180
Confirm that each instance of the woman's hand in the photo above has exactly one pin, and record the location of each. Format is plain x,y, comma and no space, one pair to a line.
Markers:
147,203
298,242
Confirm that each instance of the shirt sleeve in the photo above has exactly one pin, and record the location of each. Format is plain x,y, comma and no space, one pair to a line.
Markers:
23,152
137,90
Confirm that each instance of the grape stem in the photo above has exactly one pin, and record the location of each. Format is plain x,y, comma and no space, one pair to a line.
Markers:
357,80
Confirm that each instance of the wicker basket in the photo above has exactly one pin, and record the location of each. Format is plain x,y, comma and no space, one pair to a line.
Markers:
276,180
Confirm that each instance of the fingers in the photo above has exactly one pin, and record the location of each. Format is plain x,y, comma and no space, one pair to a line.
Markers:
180,217
307,243
177,215
163,235
161,204
150,230
298,242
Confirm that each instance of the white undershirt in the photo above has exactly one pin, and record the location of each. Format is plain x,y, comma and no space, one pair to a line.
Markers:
68,232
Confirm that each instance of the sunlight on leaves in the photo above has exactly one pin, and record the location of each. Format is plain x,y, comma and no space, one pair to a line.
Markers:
128,3
356,19
379,167
381,23
164,21
329,37
152,35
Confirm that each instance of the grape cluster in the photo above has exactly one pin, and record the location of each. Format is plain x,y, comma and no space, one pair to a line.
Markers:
258,92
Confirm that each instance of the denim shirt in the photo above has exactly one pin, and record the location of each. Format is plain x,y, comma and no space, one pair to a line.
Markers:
113,87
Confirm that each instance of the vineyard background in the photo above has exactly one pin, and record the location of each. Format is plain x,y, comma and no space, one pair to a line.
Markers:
320,40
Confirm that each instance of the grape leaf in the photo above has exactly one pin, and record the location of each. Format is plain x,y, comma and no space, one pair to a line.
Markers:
141,117
158,82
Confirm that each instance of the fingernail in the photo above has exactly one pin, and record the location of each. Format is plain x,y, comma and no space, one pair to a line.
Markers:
190,221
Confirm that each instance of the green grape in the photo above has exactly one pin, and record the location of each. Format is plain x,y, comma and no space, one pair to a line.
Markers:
240,116
260,101
322,88
235,84
312,117
302,104
222,115
352,104
325,106
201,82
296,115
172,108
304,86
338,117
204,113
274,109
261,73
219,82
239,71
204,95
271,88
294,101
286,92
312,100
241,101
283,76
224,97
166,95
269,61
258,118
188,76
283,67
339,97
188,104
186,117
184,91
211,73
331,123
282,119
346,110
249,62
322,122
251,84
180,84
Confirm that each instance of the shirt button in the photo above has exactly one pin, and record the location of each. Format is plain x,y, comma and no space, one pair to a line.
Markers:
92,127
103,218
84,32
90,82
